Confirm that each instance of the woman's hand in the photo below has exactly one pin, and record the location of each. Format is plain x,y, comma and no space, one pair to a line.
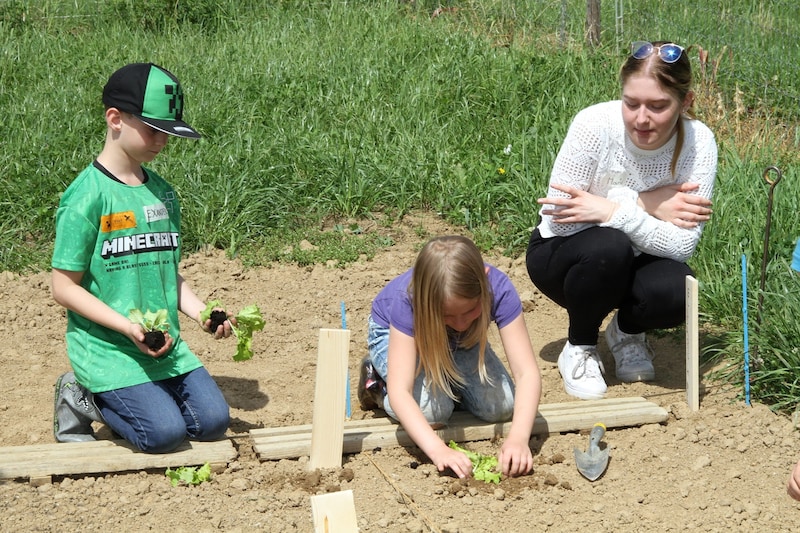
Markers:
581,206
675,204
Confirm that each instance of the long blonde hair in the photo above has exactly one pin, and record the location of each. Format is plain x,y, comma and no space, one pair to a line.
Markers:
446,267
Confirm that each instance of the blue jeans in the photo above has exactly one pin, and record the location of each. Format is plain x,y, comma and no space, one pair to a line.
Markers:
492,401
156,417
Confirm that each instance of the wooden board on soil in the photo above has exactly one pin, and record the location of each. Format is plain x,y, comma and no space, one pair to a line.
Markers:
360,435
40,461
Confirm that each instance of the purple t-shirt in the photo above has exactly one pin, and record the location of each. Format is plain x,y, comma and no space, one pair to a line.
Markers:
392,306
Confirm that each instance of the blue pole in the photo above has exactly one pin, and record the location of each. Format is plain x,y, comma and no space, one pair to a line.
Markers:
347,387
746,337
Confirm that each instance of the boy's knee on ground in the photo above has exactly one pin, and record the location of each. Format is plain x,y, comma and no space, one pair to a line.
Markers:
163,442
213,429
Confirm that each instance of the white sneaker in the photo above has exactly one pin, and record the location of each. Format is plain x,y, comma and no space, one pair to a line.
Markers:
631,353
582,371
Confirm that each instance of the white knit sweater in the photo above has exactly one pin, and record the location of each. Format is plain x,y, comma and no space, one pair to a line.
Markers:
597,156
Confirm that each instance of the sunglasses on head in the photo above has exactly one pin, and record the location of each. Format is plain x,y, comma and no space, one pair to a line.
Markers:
669,53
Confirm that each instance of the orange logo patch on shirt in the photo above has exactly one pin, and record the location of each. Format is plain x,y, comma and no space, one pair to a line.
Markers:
117,221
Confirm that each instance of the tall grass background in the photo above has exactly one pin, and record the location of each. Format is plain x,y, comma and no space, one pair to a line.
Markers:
344,110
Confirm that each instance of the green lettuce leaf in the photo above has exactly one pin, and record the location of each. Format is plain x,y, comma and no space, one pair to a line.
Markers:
483,466
189,475
150,321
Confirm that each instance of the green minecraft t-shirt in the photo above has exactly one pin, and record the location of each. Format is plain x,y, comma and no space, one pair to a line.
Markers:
126,240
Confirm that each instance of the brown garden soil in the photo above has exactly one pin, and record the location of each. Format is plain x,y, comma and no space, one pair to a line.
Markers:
720,469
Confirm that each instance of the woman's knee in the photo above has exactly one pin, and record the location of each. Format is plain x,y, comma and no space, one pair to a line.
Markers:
659,289
606,249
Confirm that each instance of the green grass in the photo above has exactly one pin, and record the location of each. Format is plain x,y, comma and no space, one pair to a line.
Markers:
320,111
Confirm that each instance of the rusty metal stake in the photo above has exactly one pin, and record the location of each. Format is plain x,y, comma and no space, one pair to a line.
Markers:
772,183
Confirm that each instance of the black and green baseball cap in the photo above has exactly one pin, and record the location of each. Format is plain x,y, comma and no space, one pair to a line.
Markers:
152,94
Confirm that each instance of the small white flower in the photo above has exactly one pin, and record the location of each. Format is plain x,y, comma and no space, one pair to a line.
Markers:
507,151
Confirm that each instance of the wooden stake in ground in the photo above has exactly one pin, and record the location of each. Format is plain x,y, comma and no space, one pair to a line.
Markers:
327,433
334,512
692,346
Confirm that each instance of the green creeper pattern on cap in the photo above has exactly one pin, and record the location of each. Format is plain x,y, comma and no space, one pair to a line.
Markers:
163,97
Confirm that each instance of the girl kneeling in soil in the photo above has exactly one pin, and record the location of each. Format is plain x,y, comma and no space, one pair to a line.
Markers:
427,339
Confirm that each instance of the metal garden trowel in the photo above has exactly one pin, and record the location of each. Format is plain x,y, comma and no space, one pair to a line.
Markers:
593,462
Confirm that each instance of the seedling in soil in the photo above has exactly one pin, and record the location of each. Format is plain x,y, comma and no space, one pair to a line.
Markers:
154,324
483,466
247,321
189,475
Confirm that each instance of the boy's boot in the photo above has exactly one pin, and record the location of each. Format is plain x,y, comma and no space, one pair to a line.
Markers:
74,411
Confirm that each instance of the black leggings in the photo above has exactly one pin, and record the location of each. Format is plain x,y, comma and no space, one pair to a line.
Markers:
594,272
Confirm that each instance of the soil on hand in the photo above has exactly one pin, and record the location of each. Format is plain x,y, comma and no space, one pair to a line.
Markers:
155,340
723,468
218,318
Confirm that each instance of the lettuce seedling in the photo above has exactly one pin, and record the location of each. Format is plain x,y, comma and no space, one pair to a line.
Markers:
483,466
189,475
247,321
154,324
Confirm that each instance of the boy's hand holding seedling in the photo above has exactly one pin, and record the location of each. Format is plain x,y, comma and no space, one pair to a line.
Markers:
242,325
150,331
212,321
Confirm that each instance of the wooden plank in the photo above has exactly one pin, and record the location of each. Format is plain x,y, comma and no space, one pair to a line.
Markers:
692,345
334,512
329,401
546,411
362,435
43,460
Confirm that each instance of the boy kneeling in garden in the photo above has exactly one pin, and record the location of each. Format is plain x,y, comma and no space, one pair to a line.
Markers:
117,250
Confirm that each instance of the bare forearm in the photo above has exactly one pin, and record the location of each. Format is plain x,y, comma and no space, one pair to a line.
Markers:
526,405
188,302
74,297
414,423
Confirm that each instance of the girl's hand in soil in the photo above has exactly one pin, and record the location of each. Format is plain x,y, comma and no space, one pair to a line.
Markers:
515,458
219,323
136,334
458,462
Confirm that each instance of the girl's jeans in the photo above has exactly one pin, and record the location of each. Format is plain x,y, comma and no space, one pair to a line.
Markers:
156,417
492,401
